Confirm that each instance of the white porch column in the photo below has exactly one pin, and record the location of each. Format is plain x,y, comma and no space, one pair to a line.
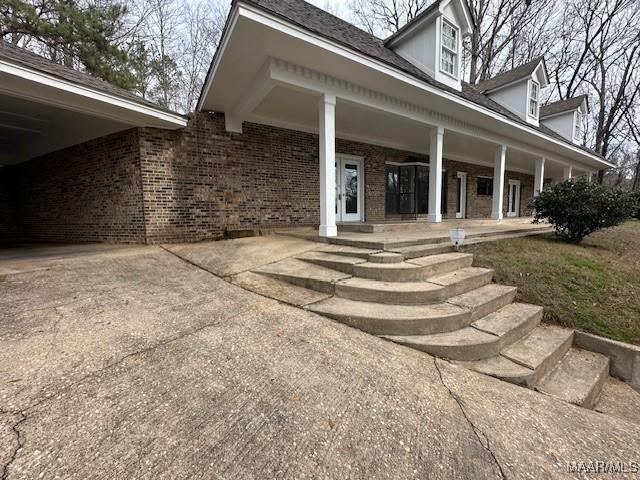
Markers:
498,182
568,172
327,132
539,178
435,175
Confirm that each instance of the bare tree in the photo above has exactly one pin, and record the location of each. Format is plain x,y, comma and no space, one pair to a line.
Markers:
203,24
385,17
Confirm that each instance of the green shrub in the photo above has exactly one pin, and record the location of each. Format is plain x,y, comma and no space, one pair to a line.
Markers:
579,208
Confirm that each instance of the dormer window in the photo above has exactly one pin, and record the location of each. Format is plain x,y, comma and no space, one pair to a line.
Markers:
534,93
577,127
449,49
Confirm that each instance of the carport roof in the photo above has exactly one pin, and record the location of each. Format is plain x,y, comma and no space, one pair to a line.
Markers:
20,56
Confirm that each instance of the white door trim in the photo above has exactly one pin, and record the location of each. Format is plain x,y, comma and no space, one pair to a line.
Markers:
514,210
341,207
461,208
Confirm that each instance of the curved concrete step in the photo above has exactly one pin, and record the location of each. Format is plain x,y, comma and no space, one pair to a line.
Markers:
541,350
484,300
341,263
382,319
578,378
443,263
416,251
303,274
414,270
463,280
389,272
503,369
392,293
386,257
347,251
485,338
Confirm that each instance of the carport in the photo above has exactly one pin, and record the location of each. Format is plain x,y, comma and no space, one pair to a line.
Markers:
46,112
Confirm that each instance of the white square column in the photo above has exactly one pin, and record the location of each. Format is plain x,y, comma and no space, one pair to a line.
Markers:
327,134
498,182
538,183
567,173
435,175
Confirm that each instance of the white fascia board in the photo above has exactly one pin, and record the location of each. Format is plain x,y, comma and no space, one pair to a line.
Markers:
413,28
295,31
557,114
51,81
466,13
217,57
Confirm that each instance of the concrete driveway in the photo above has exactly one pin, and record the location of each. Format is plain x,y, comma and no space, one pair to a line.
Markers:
130,362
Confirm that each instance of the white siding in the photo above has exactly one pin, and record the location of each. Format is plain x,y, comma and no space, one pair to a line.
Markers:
562,124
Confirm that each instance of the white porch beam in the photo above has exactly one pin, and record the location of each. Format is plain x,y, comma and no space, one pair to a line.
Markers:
327,134
567,172
259,88
308,80
435,175
538,184
498,182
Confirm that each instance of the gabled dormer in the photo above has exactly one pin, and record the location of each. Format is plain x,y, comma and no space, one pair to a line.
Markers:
518,89
432,41
566,117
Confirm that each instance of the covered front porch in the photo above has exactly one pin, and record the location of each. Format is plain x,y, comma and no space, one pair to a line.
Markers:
390,147
417,237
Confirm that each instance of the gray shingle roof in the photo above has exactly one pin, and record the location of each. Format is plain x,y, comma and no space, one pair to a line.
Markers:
333,28
28,59
562,106
413,21
509,76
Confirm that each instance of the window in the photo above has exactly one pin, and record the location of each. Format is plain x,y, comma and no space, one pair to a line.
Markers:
449,49
485,186
407,189
534,91
577,128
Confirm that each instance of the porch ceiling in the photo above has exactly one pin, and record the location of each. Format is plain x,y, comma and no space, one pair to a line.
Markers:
29,129
299,110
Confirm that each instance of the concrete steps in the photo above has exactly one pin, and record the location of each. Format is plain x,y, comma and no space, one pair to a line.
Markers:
416,269
399,293
384,319
484,338
303,274
578,378
431,290
439,304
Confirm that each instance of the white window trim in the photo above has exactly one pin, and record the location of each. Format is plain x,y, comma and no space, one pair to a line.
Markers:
537,99
456,64
577,125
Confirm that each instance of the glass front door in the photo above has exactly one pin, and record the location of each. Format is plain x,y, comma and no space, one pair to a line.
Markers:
514,198
349,189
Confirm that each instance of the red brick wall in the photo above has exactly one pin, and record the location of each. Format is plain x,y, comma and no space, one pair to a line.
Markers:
90,192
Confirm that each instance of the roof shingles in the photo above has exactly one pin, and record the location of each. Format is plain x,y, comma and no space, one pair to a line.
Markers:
20,56
333,28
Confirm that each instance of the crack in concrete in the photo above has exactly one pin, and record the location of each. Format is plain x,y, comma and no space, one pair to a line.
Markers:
482,438
19,442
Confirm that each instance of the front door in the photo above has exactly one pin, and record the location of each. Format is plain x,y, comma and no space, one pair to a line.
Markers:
461,199
349,189
514,198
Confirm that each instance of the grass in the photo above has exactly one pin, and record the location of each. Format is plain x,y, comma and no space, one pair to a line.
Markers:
594,286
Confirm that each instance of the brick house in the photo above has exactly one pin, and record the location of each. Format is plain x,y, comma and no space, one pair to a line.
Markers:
303,120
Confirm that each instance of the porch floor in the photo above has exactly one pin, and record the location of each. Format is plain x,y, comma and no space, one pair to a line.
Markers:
394,235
